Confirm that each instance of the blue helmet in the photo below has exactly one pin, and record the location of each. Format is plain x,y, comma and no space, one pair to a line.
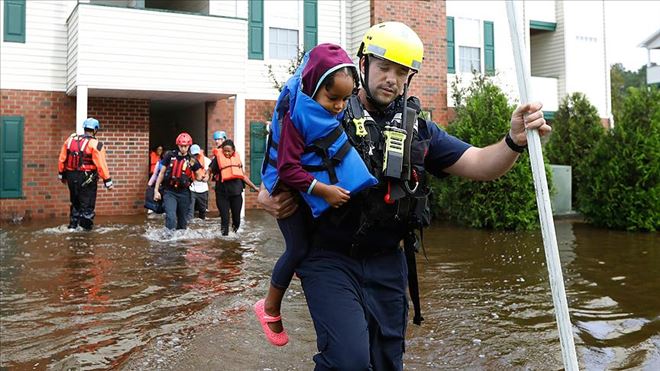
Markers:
91,123
219,135
194,149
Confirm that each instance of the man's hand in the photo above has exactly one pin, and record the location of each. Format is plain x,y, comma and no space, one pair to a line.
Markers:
527,116
108,185
61,178
156,195
281,205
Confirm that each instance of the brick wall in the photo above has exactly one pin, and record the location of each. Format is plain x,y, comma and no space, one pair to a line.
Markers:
125,134
49,118
427,18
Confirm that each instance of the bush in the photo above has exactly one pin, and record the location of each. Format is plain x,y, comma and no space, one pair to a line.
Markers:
483,117
623,173
575,132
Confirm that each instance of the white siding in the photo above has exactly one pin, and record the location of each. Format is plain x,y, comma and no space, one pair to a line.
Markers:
359,21
257,83
129,49
548,54
229,8
39,63
540,10
586,70
330,27
494,11
573,53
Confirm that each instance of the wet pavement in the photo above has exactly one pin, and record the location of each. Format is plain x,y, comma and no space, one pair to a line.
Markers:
130,295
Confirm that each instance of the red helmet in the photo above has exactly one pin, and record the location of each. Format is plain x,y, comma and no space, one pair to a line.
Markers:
183,139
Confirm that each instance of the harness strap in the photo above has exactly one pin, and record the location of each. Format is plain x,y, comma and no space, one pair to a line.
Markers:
410,248
330,163
80,149
322,144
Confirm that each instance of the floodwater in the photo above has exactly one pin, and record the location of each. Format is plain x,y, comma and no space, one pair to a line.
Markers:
130,295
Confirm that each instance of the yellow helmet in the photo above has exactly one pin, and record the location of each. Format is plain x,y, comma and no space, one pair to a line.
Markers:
395,42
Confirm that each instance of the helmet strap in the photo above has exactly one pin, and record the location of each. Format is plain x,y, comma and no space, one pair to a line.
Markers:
365,84
364,79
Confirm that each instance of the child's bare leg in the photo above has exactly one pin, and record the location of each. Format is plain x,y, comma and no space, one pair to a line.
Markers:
273,305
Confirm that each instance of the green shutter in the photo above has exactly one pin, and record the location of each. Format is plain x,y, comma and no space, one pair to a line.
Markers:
257,150
451,59
311,24
14,22
489,48
256,29
11,157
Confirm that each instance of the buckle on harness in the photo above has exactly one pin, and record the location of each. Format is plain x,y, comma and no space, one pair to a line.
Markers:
360,130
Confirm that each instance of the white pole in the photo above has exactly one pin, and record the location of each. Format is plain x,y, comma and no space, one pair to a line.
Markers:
81,107
543,200
239,132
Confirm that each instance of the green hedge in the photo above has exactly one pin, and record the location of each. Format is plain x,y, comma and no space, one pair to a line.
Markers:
576,130
623,170
483,118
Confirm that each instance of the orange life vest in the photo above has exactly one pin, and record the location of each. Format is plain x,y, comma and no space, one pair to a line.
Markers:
79,154
217,152
230,168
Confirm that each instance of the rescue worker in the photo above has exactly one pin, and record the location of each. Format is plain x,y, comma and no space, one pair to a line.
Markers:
199,189
227,171
219,137
180,171
81,162
355,274
154,157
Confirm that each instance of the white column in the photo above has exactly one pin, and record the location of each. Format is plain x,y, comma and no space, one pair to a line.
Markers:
81,107
239,132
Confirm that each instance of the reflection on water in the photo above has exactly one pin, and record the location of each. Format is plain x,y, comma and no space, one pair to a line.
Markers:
91,299
488,302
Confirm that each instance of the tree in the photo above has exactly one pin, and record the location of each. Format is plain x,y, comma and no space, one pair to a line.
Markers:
620,80
575,131
483,117
623,170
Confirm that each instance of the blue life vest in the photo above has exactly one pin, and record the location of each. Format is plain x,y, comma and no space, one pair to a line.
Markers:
328,155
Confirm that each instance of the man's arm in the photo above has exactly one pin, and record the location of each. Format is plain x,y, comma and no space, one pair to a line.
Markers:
98,156
280,205
493,161
61,160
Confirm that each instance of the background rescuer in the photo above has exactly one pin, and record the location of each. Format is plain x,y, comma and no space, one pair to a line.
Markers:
81,162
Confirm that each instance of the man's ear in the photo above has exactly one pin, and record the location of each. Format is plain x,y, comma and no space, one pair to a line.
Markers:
361,64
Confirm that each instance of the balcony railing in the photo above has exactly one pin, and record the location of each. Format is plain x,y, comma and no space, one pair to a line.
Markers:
136,49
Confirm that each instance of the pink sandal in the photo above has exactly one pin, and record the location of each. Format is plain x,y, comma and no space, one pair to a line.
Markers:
276,338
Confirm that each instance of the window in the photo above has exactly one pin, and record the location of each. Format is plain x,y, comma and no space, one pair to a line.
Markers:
283,43
256,29
470,59
11,157
311,24
14,21
258,136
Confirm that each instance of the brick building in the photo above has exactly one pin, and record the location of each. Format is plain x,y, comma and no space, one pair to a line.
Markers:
148,69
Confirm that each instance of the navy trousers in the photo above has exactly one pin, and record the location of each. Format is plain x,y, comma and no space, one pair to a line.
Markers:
177,205
359,308
295,230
